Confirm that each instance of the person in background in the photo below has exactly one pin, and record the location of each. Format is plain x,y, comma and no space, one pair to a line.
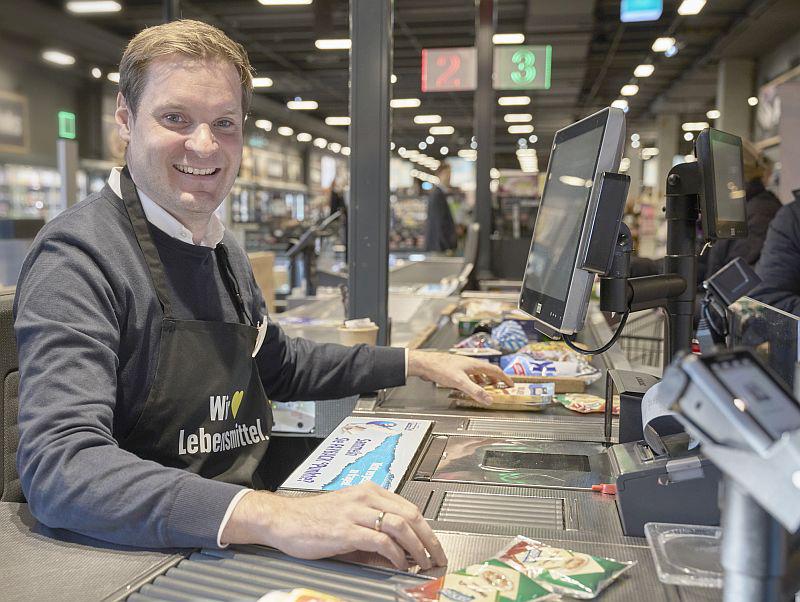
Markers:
440,231
779,266
761,208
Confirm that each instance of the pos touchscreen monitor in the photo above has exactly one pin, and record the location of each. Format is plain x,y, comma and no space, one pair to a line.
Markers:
555,291
722,203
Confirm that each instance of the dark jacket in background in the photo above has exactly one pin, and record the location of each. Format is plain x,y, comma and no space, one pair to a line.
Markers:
779,266
440,231
761,208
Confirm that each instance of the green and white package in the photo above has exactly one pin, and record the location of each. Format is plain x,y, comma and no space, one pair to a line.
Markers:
562,571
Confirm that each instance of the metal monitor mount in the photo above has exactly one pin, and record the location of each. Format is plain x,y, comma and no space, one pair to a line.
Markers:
762,476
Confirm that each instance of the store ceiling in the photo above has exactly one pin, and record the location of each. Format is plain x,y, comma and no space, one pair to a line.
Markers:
594,54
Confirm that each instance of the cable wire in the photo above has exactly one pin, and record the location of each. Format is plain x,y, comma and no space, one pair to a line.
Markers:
571,344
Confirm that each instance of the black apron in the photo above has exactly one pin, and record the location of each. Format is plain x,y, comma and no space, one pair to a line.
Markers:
206,411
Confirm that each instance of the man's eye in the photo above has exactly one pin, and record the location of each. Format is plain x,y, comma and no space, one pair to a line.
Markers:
174,118
225,123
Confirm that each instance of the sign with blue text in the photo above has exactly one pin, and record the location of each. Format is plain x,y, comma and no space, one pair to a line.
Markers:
362,449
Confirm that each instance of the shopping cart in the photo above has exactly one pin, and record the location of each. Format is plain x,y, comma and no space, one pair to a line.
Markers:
642,339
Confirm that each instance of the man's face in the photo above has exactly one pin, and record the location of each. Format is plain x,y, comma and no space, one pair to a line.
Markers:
185,140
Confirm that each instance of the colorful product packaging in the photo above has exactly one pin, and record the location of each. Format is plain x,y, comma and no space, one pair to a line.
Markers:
562,571
520,397
490,581
586,404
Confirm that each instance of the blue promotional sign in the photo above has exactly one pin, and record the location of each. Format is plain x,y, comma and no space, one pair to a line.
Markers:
632,11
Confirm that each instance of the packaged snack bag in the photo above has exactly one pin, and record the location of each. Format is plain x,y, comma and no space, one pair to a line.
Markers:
510,336
490,581
529,396
479,340
562,571
585,403
522,364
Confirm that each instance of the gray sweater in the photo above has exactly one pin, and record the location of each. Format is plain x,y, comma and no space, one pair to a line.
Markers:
87,323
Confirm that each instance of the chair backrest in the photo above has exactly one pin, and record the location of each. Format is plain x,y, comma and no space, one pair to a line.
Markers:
10,489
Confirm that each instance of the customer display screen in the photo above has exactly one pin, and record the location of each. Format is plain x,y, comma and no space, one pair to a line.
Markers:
561,214
728,181
757,394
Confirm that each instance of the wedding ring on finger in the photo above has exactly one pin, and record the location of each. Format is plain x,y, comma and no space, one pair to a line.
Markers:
379,521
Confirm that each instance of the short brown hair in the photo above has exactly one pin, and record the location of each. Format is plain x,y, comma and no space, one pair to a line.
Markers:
189,38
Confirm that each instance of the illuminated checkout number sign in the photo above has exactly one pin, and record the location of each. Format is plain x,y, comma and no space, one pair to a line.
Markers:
515,68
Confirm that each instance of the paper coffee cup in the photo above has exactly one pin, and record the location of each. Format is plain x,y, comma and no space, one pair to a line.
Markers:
355,336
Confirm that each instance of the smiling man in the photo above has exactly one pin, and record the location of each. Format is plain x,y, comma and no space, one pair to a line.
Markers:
144,383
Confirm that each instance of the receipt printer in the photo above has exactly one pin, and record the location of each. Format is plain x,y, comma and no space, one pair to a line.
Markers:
678,486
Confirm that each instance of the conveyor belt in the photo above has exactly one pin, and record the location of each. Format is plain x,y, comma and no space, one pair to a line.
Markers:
245,573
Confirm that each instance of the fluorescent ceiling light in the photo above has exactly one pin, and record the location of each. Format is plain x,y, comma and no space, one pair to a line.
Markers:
284,2
688,136
713,114
635,144
752,101
302,105
337,120
444,150
338,44
320,142
650,151
346,151
304,137
694,126
425,119
442,130
264,124
620,103
691,7
574,181
533,138
508,38
634,137
514,101
422,145
85,7
335,147
58,58
644,70
394,78
624,164
663,44
262,82
494,173
517,117
429,139
520,129
97,73
404,103
285,131
113,77
468,154
629,90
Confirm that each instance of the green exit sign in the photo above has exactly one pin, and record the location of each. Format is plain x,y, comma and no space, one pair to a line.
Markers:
66,125
522,67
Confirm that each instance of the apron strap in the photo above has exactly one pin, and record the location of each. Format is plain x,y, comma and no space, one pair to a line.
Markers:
225,269
133,206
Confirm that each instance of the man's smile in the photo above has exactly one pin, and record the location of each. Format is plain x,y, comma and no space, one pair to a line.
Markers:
196,171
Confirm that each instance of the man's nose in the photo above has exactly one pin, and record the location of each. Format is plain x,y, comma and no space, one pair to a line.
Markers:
201,141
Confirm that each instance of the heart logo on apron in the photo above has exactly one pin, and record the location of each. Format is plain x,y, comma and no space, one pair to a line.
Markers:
236,402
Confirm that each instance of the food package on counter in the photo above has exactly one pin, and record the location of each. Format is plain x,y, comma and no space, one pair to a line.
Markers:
479,340
562,571
522,364
299,595
491,581
556,351
521,397
587,404
509,336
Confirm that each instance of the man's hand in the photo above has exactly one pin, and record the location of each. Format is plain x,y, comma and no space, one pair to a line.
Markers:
457,372
338,522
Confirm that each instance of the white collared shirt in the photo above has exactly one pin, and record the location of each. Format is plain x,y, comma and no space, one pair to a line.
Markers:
164,221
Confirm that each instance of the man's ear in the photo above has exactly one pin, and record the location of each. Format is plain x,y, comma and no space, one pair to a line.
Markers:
124,117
